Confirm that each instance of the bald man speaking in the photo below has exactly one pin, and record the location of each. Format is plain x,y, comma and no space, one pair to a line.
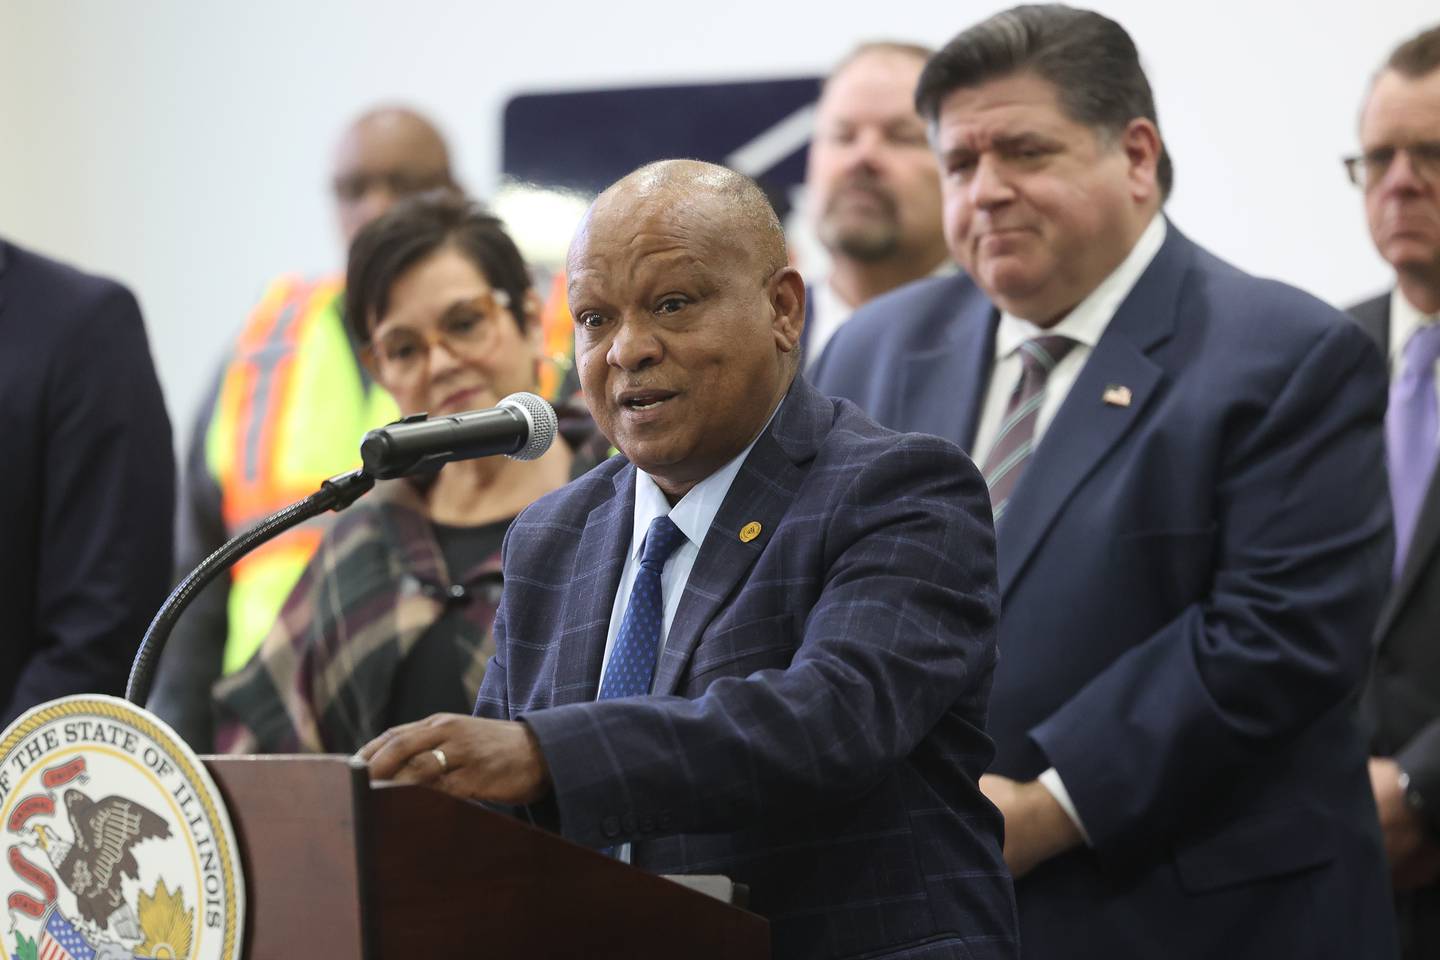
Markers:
758,643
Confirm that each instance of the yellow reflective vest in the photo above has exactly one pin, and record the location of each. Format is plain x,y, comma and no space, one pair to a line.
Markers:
292,407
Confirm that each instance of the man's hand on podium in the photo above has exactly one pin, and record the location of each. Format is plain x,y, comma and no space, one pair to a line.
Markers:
495,760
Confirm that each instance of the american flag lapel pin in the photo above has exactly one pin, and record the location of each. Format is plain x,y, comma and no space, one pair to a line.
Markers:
1116,395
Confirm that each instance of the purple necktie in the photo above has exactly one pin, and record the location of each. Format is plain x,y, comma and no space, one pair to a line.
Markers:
1411,426
1013,444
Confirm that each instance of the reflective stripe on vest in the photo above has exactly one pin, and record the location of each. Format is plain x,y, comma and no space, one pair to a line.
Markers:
558,333
291,411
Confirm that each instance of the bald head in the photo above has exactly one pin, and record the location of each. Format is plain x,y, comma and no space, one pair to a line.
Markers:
714,203
687,317
387,153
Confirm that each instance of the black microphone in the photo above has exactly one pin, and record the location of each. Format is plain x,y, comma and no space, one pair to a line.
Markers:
522,427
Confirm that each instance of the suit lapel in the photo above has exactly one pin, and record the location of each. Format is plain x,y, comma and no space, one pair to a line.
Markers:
1083,433
1422,549
762,493
1374,318
929,387
585,614
1086,429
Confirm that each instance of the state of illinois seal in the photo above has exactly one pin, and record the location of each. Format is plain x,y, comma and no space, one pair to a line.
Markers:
116,843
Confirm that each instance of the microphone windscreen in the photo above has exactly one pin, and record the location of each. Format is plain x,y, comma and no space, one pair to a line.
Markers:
542,420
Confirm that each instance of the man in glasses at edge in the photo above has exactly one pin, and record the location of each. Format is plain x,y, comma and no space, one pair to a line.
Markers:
1399,172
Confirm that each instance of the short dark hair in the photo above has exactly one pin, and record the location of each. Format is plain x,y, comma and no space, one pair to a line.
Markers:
1089,59
1417,56
412,230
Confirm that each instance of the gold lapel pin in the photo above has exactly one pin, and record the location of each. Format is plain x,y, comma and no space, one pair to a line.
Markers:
750,531
1117,396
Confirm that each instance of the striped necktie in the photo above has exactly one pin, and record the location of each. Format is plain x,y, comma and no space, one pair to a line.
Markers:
1016,441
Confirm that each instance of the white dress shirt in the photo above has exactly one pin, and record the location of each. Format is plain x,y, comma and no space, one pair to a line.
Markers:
1086,324
827,313
1405,321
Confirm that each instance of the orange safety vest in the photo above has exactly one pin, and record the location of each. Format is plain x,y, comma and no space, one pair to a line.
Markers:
292,408
558,336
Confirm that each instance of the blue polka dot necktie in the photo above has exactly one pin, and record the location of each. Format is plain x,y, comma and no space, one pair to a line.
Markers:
632,660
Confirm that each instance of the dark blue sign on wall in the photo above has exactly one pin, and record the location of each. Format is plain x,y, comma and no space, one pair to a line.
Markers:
583,141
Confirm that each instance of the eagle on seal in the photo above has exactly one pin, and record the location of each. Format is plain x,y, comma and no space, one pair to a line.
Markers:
93,865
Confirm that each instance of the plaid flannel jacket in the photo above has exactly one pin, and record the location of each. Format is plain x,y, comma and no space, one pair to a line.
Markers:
320,681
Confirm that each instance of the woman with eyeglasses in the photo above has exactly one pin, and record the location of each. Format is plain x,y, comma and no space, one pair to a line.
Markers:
391,621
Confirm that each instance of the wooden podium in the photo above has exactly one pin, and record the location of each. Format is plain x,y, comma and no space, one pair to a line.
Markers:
338,868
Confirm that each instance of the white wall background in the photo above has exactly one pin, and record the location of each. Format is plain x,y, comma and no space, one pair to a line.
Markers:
182,146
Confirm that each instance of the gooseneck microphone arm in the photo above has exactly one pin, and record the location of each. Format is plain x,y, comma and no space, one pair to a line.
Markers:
521,427
337,493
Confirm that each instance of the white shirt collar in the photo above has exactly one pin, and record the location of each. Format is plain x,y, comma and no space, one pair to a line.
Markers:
695,511
1087,322
1405,320
828,302
827,314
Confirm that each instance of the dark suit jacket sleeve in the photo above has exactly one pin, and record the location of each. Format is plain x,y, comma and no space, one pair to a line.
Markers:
904,627
106,520
1301,563
191,662
493,703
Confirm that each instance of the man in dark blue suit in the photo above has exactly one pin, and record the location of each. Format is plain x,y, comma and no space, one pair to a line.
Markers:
760,642
87,495
1192,535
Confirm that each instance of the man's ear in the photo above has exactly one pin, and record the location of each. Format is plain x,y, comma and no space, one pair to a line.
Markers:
787,303
1142,145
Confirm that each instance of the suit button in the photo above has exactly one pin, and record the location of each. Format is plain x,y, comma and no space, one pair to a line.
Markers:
629,822
647,824
666,821
610,826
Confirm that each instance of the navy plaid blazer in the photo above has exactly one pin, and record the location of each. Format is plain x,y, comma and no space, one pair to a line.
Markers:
816,725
